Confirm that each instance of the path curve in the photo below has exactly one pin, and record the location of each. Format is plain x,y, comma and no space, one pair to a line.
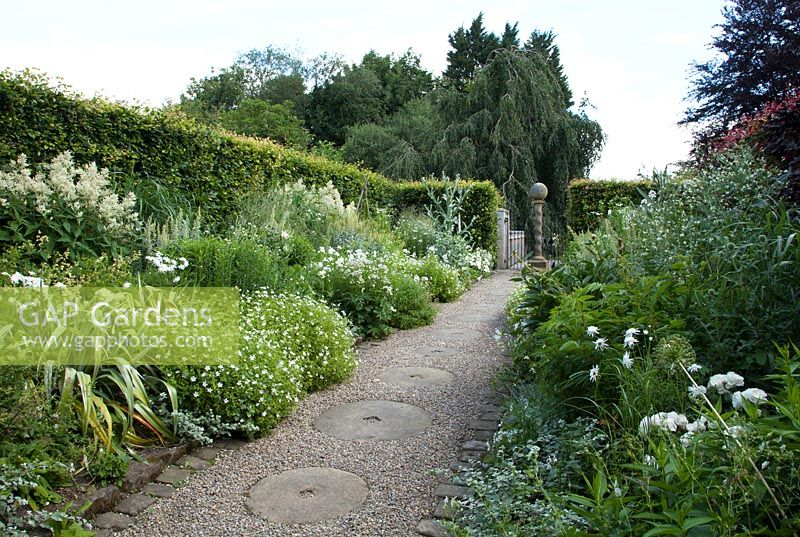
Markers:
400,474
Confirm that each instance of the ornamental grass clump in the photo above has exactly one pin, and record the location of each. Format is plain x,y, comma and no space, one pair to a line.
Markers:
73,207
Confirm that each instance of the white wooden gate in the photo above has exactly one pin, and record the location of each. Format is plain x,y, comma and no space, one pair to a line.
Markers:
510,244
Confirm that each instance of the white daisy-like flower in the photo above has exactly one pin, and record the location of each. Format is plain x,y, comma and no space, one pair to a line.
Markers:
592,331
632,332
600,344
697,391
594,372
627,361
694,368
630,341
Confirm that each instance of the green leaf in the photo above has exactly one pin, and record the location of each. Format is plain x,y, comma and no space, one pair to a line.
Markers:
690,523
663,530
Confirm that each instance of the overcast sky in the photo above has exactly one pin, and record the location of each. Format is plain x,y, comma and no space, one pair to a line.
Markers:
630,57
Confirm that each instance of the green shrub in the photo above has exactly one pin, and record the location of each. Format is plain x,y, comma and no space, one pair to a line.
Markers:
423,239
63,268
726,236
410,302
417,232
588,201
359,284
479,207
443,282
215,262
313,334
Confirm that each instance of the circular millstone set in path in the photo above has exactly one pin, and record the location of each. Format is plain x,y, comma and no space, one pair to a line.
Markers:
373,420
457,334
306,495
416,376
436,351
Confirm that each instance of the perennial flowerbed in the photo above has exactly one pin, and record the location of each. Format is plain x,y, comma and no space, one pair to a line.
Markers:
311,275
656,373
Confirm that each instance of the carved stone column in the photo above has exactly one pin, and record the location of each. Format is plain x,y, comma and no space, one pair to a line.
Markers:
538,193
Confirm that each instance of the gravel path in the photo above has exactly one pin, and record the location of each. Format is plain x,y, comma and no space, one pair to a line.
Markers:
400,474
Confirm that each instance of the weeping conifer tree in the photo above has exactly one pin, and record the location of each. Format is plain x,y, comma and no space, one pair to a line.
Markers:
514,126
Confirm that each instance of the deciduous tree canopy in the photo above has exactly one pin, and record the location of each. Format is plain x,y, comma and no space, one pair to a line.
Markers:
758,62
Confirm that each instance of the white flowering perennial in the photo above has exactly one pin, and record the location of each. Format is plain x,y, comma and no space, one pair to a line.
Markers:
85,190
673,422
25,281
365,269
481,260
289,345
755,396
666,421
163,263
724,383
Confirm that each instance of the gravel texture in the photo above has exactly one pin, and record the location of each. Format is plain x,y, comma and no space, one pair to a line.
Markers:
402,475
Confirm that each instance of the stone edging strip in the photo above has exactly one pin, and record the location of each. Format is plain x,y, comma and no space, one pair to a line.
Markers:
113,507
474,449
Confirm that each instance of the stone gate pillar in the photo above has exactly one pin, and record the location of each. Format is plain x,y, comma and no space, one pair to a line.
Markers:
538,193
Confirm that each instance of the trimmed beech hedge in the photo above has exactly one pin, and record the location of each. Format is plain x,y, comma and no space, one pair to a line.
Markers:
589,200
215,167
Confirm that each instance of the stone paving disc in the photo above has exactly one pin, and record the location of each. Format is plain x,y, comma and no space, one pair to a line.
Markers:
436,351
373,420
476,318
416,376
305,495
457,334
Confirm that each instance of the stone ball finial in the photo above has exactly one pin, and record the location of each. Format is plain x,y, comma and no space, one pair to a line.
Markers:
538,191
